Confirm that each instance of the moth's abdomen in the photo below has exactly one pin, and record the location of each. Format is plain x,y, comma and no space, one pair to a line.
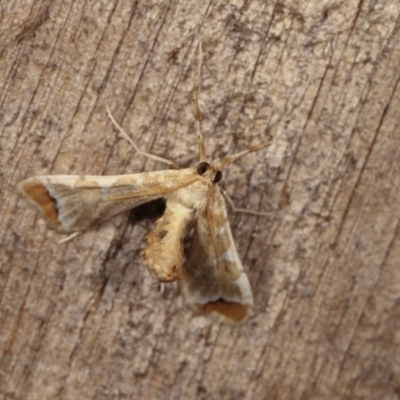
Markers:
164,252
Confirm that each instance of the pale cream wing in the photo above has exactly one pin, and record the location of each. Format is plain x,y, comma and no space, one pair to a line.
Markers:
71,203
213,280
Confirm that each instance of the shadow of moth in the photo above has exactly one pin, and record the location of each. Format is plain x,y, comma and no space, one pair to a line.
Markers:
212,277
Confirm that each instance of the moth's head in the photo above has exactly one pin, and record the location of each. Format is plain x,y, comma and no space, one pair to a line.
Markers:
212,172
209,172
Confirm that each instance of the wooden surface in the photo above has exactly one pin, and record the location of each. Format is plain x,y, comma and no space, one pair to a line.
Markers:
84,320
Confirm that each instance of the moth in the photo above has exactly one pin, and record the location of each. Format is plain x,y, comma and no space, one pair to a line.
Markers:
211,275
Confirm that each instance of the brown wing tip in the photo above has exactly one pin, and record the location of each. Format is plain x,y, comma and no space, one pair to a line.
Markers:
229,311
37,194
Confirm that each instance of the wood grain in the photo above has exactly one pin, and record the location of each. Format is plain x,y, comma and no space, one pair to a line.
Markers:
84,320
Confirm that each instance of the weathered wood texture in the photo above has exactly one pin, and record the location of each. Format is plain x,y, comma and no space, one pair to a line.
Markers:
84,320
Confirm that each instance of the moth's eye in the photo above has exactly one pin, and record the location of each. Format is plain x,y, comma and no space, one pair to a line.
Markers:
218,177
202,168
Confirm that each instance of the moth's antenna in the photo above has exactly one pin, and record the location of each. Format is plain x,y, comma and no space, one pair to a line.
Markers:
143,153
196,109
228,159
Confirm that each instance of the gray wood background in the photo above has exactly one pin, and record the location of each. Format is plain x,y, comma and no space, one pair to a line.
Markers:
84,319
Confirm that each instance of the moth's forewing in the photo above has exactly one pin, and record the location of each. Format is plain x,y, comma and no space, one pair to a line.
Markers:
213,279
71,203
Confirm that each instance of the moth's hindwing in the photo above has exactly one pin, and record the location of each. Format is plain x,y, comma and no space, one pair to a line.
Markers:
213,278
71,203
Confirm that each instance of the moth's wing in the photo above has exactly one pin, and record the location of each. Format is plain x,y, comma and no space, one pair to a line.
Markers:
213,280
71,203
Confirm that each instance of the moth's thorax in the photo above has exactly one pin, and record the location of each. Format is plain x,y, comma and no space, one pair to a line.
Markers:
193,196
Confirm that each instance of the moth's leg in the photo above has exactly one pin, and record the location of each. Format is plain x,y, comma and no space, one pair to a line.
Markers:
244,210
161,288
69,237
143,153
196,108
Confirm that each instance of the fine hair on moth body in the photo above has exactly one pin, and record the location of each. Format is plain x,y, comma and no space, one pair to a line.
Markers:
211,276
